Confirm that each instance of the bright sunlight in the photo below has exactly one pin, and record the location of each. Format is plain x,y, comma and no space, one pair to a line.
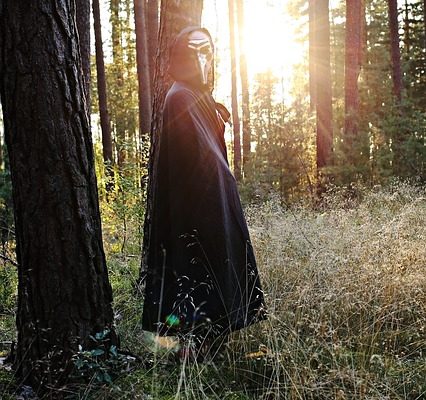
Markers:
271,42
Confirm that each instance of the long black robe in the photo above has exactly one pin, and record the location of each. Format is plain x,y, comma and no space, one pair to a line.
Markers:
201,273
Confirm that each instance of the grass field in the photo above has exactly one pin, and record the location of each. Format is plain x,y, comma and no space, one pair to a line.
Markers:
346,290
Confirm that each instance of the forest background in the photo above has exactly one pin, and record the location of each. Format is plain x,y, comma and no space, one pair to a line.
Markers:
328,105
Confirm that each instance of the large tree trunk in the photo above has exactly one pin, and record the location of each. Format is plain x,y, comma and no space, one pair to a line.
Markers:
353,46
83,26
323,86
102,90
175,16
63,294
312,54
244,89
142,62
234,94
395,52
152,28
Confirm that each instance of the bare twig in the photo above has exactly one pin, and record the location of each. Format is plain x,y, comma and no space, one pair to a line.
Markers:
9,260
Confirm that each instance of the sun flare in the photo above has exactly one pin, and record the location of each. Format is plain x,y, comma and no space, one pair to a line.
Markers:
270,40
270,43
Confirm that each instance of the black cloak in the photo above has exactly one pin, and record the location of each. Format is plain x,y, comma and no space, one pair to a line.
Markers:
200,272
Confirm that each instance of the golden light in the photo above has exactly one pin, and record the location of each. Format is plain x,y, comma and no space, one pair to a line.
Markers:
270,40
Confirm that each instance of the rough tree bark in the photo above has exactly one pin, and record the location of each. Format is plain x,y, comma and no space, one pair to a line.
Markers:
323,85
152,27
142,62
363,49
234,94
83,26
395,52
353,47
63,293
174,16
244,89
102,90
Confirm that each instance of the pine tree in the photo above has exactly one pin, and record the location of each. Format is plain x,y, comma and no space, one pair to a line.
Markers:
283,161
353,47
63,295
245,98
83,27
102,92
395,52
234,94
144,77
152,28
323,86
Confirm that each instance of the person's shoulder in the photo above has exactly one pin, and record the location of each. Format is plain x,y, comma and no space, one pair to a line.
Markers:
179,95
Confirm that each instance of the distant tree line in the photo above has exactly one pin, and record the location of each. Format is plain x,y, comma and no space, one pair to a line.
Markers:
367,83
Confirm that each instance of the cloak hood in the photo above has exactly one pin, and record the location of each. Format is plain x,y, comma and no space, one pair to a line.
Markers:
183,64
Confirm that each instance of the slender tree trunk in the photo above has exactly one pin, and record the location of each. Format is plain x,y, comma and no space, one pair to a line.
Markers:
363,44
118,118
244,89
175,16
152,28
83,26
399,136
63,293
142,58
234,94
395,52
102,90
424,20
130,82
407,29
312,54
353,45
323,86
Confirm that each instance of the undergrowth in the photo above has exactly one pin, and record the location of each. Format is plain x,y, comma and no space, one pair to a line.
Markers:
345,286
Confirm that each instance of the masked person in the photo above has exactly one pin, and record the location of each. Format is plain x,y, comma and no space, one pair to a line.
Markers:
201,279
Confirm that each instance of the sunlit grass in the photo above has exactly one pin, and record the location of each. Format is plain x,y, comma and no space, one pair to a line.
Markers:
347,295
345,287
346,291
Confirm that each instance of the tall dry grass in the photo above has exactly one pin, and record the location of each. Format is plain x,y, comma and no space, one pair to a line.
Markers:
346,289
346,292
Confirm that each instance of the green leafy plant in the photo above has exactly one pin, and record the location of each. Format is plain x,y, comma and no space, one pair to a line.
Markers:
103,363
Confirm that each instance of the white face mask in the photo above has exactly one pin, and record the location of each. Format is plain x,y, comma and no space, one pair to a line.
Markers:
203,49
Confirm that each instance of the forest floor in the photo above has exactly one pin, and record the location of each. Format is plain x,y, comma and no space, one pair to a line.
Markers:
346,291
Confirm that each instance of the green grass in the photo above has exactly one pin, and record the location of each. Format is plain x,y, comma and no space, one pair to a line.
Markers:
346,291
